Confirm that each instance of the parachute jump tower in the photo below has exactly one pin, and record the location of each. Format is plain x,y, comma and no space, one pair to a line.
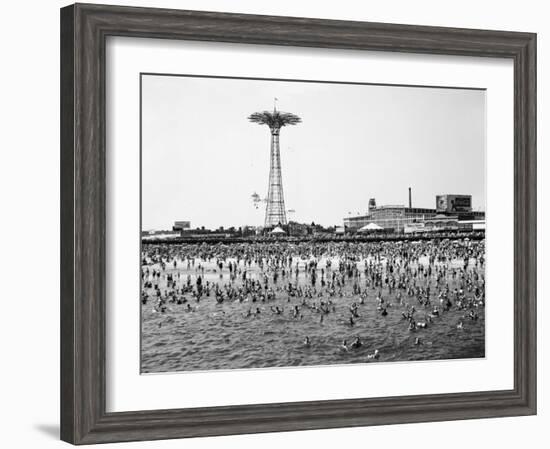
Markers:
275,213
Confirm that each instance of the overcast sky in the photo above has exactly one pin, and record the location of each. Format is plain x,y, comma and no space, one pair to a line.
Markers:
202,159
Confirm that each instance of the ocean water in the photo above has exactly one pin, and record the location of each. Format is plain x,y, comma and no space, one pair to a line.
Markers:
217,336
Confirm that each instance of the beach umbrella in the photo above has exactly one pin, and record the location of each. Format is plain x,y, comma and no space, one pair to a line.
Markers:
371,227
278,230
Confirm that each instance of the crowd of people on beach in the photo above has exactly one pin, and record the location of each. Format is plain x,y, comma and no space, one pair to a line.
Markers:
418,280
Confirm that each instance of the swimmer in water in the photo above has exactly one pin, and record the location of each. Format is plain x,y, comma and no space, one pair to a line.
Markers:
307,342
344,346
276,310
356,343
375,355
417,341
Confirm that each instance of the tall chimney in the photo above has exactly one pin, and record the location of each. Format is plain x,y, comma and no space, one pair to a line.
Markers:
410,199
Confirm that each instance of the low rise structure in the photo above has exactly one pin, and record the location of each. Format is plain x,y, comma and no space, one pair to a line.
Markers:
391,218
450,211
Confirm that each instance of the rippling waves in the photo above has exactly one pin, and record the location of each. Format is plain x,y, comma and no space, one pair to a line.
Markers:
218,336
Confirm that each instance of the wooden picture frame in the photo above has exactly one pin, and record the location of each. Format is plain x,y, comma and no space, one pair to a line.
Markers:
84,29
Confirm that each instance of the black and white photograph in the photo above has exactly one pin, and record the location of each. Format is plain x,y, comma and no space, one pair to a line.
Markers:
275,224
305,223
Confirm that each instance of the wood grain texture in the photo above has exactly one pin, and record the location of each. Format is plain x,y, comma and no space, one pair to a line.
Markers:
67,224
84,29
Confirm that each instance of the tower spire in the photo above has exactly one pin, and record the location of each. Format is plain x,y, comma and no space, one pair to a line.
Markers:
275,212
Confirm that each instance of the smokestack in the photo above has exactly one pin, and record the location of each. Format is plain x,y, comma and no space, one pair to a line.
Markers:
410,199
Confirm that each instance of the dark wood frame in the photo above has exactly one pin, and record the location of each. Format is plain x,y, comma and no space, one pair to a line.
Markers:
84,29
